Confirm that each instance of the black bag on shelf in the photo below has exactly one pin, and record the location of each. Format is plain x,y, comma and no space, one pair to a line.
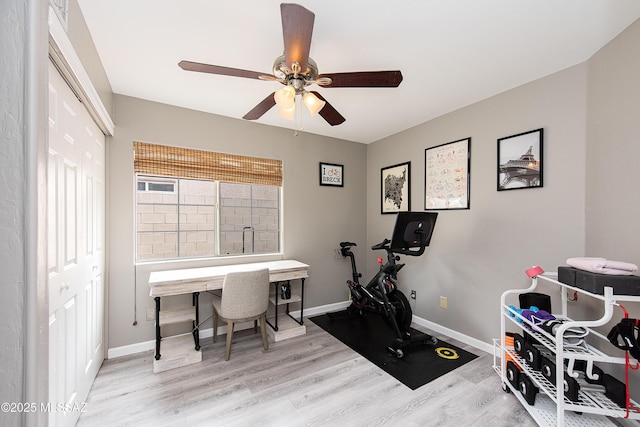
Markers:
542,301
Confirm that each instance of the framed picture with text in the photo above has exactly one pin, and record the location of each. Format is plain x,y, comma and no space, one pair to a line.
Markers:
395,187
331,175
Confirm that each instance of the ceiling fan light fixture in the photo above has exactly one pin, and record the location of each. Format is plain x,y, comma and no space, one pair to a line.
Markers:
313,103
288,113
285,97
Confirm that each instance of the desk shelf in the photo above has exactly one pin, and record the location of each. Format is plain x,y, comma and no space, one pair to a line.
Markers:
179,350
280,301
169,317
275,319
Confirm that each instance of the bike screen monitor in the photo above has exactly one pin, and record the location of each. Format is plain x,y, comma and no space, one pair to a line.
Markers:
413,230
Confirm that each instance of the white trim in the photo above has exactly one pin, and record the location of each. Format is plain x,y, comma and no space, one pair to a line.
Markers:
126,350
480,345
322,309
68,63
314,311
35,330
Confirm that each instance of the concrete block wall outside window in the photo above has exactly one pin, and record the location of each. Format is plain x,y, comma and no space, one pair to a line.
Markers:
255,206
183,224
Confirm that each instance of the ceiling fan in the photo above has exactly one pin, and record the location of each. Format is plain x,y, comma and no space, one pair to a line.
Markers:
296,70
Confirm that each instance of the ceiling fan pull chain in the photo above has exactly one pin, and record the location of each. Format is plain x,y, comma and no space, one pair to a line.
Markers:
298,117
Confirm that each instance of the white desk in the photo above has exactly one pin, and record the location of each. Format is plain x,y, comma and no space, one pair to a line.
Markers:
189,280
196,280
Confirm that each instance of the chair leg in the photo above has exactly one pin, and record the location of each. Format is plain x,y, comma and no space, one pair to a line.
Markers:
215,326
263,330
229,337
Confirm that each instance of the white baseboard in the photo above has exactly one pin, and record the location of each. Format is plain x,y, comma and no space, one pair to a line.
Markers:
480,345
313,311
323,309
126,350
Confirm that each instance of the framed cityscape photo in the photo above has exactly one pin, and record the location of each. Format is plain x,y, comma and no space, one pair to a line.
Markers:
395,188
520,161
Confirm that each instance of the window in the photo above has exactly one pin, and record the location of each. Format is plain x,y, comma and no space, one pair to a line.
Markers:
249,218
184,217
157,186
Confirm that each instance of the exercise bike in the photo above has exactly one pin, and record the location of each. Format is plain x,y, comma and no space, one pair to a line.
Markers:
412,233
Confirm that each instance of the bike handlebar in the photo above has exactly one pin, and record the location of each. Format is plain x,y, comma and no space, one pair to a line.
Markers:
381,245
404,251
385,245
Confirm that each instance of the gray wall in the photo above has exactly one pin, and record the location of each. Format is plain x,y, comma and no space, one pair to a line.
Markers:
478,253
316,218
613,152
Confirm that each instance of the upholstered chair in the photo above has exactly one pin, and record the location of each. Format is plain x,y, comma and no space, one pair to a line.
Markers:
245,297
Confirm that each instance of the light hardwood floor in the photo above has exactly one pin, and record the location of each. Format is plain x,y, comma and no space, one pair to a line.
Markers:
312,380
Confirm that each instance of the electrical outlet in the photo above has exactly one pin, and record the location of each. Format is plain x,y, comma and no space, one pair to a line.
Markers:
413,294
443,302
338,255
151,314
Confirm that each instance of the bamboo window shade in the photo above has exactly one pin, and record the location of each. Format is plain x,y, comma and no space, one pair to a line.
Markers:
164,160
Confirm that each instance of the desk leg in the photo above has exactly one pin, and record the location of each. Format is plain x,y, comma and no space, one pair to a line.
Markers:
158,337
301,321
275,327
301,299
196,323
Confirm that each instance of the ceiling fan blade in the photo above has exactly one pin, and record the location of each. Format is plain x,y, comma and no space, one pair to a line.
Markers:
297,28
329,113
216,69
264,106
364,79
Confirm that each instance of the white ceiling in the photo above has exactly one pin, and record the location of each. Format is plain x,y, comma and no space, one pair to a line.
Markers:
452,53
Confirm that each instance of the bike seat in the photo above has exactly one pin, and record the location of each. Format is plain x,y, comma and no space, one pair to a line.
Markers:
345,244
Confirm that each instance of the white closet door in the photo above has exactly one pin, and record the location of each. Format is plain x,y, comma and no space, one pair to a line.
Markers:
76,195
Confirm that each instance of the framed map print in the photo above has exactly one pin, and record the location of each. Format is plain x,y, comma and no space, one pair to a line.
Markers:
446,175
395,188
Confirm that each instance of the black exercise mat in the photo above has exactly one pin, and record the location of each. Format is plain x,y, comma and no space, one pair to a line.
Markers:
370,336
